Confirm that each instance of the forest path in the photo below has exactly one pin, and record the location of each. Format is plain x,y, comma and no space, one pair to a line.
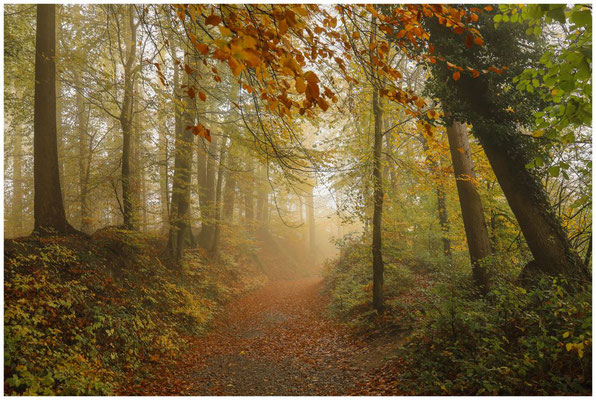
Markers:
273,341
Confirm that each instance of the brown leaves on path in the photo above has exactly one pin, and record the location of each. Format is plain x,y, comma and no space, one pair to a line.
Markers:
274,341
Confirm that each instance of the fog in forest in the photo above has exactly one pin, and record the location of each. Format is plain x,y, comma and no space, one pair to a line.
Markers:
291,199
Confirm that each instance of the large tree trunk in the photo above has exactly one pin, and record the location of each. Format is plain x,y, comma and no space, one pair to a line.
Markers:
544,234
377,251
48,206
471,205
126,114
60,137
180,235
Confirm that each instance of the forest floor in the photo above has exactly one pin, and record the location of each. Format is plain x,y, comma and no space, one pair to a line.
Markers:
274,341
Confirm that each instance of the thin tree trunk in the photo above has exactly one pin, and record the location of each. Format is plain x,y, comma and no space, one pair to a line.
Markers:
17,182
83,156
48,207
218,189
229,192
126,122
310,220
377,252
443,219
471,205
441,197
163,174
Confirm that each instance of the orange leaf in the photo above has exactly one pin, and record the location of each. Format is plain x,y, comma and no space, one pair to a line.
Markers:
212,20
191,93
456,75
478,41
202,48
488,8
202,96
322,103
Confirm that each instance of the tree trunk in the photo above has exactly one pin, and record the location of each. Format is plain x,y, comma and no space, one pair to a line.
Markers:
222,156
180,235
471,205
206,171
48,207
83,156
248,191
164,199
229,193
441,197
310,220
377,252
443,219
126,122
17,182
59,131
544,234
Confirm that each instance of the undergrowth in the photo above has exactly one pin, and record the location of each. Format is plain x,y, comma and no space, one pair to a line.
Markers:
81,315
514,341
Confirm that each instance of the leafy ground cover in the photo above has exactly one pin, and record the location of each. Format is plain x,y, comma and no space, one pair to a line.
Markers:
515,341
82,314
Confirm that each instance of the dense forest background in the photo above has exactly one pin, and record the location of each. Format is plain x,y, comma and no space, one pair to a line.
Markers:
432,163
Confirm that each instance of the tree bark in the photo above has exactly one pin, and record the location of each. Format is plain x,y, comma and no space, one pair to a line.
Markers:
546,238
470,203
229,193
377,251
84,155
126,114
310,220
180,235
164,198
17,181
48,206
218,189
443,219
206,171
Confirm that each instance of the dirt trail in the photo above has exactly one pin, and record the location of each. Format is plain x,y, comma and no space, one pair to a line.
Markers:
274,341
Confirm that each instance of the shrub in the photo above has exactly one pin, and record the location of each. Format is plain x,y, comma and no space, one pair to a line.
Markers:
514,342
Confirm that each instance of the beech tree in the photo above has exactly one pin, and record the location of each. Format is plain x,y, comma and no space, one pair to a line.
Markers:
48,205
496,121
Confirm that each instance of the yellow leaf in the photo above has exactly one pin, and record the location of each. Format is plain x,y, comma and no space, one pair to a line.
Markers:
300,84
225,31
569,346
566,334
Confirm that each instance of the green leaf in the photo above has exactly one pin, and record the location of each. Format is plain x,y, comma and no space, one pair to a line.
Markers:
554,171
582,18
